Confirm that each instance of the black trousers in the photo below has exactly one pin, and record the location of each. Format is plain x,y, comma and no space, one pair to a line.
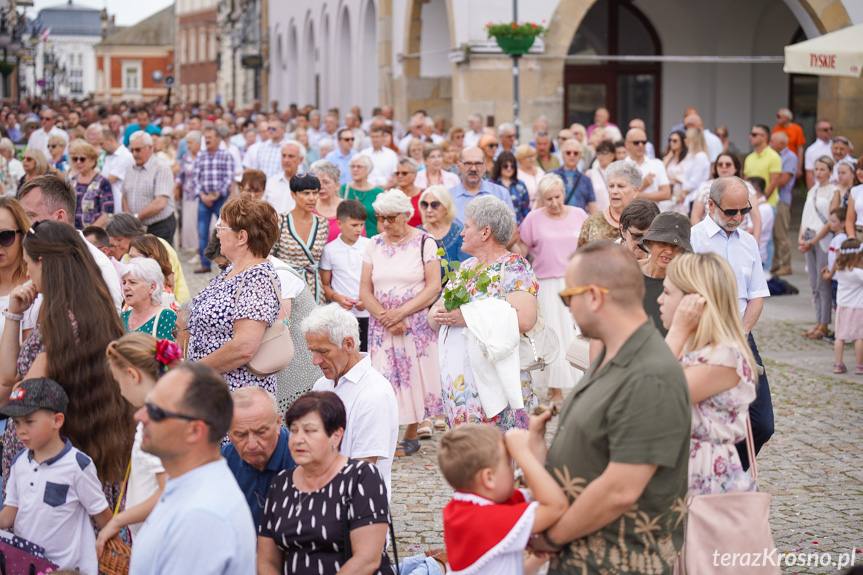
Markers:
760,411
164,229
364,333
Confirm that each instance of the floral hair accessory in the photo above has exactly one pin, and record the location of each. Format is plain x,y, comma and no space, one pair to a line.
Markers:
848,251
167,354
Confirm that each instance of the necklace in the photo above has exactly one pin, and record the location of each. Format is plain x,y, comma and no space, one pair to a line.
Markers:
395,243
610,215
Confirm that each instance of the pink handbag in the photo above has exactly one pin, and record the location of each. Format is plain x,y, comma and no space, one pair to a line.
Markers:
721,526
277,348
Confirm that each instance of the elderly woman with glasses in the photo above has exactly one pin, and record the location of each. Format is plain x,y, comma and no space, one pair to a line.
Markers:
488,228
401,278
434,174
59,162
95,195
35,164
302,233
438,215
328,198
143,282
362,190
624,179
228,318
488,144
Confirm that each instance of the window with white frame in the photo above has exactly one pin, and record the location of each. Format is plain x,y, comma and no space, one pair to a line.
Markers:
193,53
193,93
183,46
132,76
202,46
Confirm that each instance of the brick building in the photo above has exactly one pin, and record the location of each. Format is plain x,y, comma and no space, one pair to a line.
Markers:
197,42
125,61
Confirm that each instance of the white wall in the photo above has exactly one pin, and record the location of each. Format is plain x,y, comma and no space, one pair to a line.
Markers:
434,40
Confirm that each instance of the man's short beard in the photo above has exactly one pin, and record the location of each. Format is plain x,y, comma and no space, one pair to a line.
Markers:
725,225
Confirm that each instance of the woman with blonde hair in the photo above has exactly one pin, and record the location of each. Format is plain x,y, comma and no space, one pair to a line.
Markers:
488,144
528,171
416,149
58,164
698,305
35,164
438,214
94,192
696,165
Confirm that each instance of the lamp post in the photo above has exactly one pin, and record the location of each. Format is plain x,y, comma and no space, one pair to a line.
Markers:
516,120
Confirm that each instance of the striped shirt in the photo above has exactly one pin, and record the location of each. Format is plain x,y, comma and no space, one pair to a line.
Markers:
213,172
143,184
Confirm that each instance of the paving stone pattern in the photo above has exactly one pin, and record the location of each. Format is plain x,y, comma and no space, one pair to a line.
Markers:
812,466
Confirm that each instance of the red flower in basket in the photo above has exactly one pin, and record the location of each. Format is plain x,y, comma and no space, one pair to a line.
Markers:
533,26
514,26
168,352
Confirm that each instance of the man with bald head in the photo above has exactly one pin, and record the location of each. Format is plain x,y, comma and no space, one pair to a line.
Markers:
794,132
720,233
639,124
654,184
623,434
269,154
600,120
781,264
258,450
278,189
680,127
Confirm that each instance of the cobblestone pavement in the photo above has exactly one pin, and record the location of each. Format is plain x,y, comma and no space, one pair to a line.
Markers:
812,466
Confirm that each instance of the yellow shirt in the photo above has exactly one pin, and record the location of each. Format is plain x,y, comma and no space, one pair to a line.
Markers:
761,166
181,290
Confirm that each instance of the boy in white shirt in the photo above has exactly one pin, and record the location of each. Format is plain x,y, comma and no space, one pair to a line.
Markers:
53,488
341,264
487,525
836,225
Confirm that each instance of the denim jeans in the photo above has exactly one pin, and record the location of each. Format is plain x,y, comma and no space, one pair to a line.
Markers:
205,215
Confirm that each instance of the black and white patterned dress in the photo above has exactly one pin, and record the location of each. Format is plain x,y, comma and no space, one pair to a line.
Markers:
308,527
217,306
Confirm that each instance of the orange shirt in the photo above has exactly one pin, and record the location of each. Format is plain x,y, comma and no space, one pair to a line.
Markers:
795,136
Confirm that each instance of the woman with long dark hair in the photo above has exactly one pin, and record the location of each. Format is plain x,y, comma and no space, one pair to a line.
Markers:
77,321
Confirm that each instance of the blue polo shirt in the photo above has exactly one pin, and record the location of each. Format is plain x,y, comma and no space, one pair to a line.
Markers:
253,483
151,129
583,193
343,162
461,197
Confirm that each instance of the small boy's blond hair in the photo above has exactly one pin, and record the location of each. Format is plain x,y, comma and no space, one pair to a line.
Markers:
466,450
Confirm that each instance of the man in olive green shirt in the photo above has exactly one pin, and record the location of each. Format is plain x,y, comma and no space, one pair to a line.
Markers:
621,450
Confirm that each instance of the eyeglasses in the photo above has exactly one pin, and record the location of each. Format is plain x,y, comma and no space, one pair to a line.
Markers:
7,237
53,145
756,134
424,205
272,129
724,164
732,213
492,145
157,414
28,159
403,173
220,229
79,158
827,129
473,164
508,165
566,295
562,138
638,142
636,237
346,139
571,153
388,219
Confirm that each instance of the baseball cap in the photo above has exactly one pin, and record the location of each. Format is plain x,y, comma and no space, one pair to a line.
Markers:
31,395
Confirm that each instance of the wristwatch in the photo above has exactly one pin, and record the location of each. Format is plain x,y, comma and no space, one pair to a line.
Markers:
136,216
13,316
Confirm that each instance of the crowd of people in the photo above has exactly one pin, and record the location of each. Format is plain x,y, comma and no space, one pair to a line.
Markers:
370,277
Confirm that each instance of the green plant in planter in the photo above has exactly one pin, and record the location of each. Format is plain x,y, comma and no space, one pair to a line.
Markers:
455,293
515,38
6,68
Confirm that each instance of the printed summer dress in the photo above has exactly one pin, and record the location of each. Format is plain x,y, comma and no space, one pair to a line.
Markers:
303,256
460,397
409,361
718,423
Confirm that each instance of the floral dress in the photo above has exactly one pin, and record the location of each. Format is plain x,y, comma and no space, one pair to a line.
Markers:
94,199
460,397
718,423
410,360
249,295
303,255
520,198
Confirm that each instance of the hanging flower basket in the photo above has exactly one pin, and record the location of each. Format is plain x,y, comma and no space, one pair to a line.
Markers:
6,68
514,38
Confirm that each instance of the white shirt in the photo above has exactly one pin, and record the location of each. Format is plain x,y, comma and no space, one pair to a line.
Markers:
278,193
857,196
835,246
741,251
696,171
238,160
385,163
714,145
109,273
116,165
767,217
250,159
471,138
142,476
291,285
39,140
346,264
660,176
849,293
16,170
372,416
55,500
815,151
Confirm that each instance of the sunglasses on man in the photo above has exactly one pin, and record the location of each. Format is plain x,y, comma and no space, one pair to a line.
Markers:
157,414
732,213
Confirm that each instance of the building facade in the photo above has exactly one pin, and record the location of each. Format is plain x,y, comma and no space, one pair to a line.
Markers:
65,61
197,44
242,26
126,61
647,59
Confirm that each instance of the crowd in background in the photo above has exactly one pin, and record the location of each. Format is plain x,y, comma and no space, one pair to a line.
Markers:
339,245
